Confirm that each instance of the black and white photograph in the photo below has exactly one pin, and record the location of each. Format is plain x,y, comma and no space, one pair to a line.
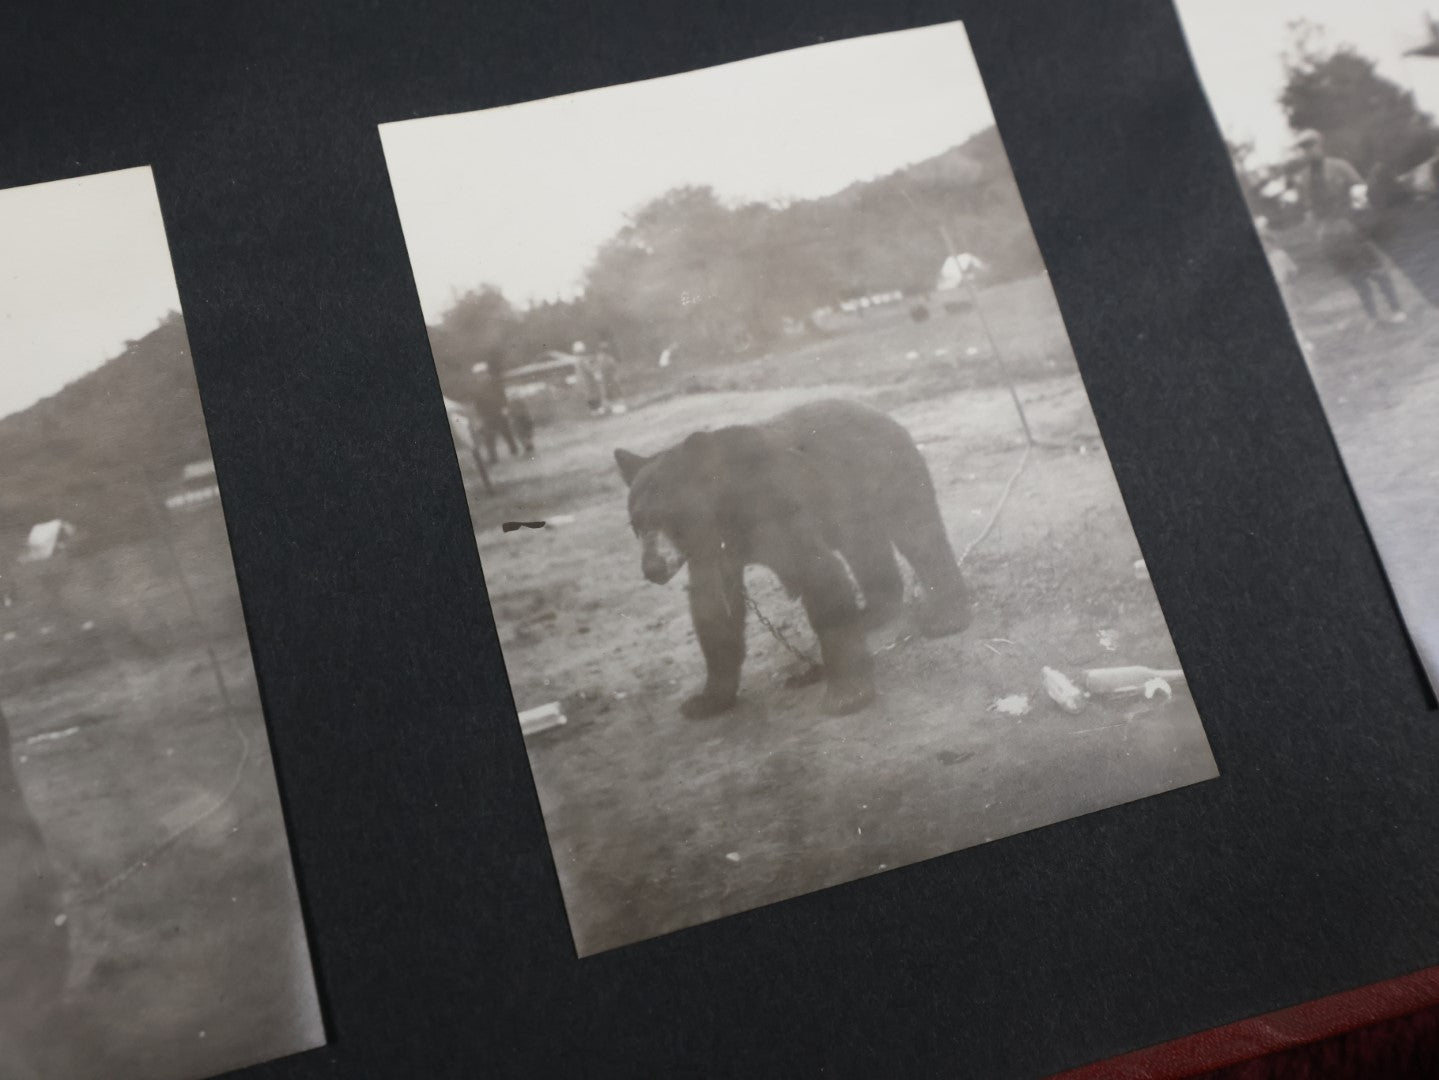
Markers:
1328,108
804,551
150,927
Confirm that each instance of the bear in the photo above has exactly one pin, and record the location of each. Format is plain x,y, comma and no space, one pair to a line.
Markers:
815,488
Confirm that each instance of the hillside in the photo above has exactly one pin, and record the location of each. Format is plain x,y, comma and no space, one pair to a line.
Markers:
76,453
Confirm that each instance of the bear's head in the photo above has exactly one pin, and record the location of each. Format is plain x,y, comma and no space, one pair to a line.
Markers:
673,506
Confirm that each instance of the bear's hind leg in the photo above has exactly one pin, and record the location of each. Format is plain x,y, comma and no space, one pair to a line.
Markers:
871,556
828,599
919,534
717,607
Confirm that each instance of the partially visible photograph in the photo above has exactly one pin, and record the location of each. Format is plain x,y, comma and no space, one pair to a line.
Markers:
1329,109
803,548
149,923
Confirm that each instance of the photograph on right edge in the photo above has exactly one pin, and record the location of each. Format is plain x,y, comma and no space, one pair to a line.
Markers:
1328,109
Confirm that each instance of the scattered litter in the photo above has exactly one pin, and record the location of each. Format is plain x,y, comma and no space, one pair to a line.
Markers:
1064,693
1141,570
1012,705
1108,640
733,856
1132,680
911,355
941,352
88,624
971,351
542,718
562,519
61,919
52,736
1158,686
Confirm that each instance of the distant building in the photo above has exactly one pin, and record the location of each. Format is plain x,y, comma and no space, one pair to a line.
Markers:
194,494
192,497
959,269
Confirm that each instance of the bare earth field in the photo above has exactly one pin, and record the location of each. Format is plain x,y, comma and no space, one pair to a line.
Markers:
659,823
158,804
1380,389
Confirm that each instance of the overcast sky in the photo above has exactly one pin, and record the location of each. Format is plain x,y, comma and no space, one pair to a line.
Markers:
1237,46
83,268
521,196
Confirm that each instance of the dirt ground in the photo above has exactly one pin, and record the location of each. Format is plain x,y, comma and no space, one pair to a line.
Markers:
659,823
1380,389
150,778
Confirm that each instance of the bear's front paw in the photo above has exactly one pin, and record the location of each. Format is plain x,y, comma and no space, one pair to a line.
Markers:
706,704
841,698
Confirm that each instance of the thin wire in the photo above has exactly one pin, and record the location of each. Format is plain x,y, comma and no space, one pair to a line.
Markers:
998,506
219,803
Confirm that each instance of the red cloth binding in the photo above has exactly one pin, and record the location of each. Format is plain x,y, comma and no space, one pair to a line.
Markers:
1246,1040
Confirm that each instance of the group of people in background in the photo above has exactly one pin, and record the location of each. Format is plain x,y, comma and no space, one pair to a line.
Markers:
502,418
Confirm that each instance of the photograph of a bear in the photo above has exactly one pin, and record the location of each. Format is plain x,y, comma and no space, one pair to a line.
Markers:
879,480
816,489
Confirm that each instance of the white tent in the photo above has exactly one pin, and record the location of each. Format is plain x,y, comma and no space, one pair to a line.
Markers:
956,269
46,539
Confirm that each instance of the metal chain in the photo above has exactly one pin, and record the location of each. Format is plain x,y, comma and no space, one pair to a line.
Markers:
776,633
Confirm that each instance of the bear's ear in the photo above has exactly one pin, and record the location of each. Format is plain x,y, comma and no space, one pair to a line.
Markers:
630,465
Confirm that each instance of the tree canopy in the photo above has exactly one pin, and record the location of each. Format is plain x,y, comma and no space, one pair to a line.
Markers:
690,268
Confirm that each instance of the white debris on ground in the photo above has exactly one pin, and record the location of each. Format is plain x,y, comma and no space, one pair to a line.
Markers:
1011,705
1108,640
542,718
1062,691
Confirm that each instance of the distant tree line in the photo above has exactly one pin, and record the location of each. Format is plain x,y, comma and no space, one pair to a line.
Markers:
690,269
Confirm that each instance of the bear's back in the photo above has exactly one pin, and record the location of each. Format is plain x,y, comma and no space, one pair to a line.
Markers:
836,428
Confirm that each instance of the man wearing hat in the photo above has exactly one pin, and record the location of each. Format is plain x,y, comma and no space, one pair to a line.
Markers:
1333,194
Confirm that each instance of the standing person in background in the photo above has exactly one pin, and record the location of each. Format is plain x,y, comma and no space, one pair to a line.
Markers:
522,422
588,373
608,361
493,408
1407,223
34,937
1333,194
